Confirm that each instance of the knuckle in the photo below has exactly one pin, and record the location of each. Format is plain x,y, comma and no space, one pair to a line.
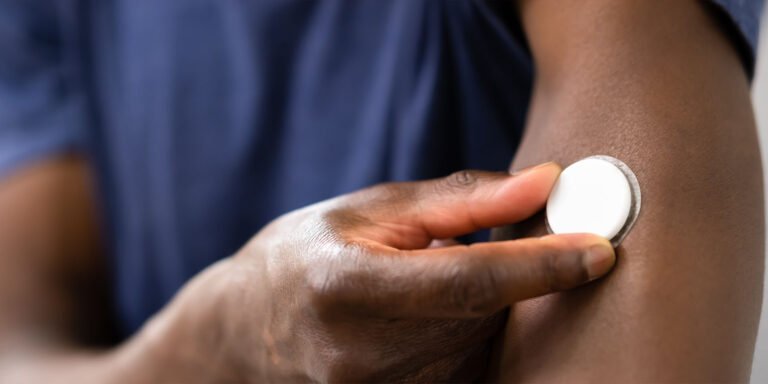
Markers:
321,293
324,288
334,282
463,179
473,288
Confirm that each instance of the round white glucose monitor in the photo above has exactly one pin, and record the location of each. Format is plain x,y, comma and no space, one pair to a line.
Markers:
598,195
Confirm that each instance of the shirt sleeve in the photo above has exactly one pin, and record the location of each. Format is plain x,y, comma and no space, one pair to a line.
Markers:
41,106
741,19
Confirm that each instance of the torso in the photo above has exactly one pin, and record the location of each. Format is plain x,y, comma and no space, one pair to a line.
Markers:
210,118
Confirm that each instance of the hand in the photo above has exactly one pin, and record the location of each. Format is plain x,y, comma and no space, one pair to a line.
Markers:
351,290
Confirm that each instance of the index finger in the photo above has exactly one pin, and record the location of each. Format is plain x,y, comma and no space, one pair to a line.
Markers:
467,281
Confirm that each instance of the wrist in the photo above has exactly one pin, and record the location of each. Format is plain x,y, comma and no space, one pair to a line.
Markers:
187,341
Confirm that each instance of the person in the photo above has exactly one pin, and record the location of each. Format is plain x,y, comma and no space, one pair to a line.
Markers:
211,191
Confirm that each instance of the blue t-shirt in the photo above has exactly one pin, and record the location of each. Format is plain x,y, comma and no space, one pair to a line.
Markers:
206,119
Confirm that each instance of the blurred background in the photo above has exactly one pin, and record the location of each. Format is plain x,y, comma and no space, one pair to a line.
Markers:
760,98
760,93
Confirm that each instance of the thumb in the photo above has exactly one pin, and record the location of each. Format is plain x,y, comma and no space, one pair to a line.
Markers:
461,203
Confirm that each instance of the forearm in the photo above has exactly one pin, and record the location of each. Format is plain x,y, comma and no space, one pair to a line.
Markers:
656,85
180,344
55,324
22,363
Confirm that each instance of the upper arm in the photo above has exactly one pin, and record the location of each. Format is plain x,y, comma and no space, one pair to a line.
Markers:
657,85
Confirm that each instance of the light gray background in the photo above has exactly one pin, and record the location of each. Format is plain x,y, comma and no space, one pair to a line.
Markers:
760,99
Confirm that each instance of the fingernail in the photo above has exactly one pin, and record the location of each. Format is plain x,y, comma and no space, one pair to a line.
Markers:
533,168
599,259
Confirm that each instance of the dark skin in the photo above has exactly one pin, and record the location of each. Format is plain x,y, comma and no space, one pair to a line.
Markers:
357,288
664,91
345,290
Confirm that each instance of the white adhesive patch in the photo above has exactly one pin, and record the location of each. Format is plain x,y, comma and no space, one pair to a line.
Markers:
597,195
